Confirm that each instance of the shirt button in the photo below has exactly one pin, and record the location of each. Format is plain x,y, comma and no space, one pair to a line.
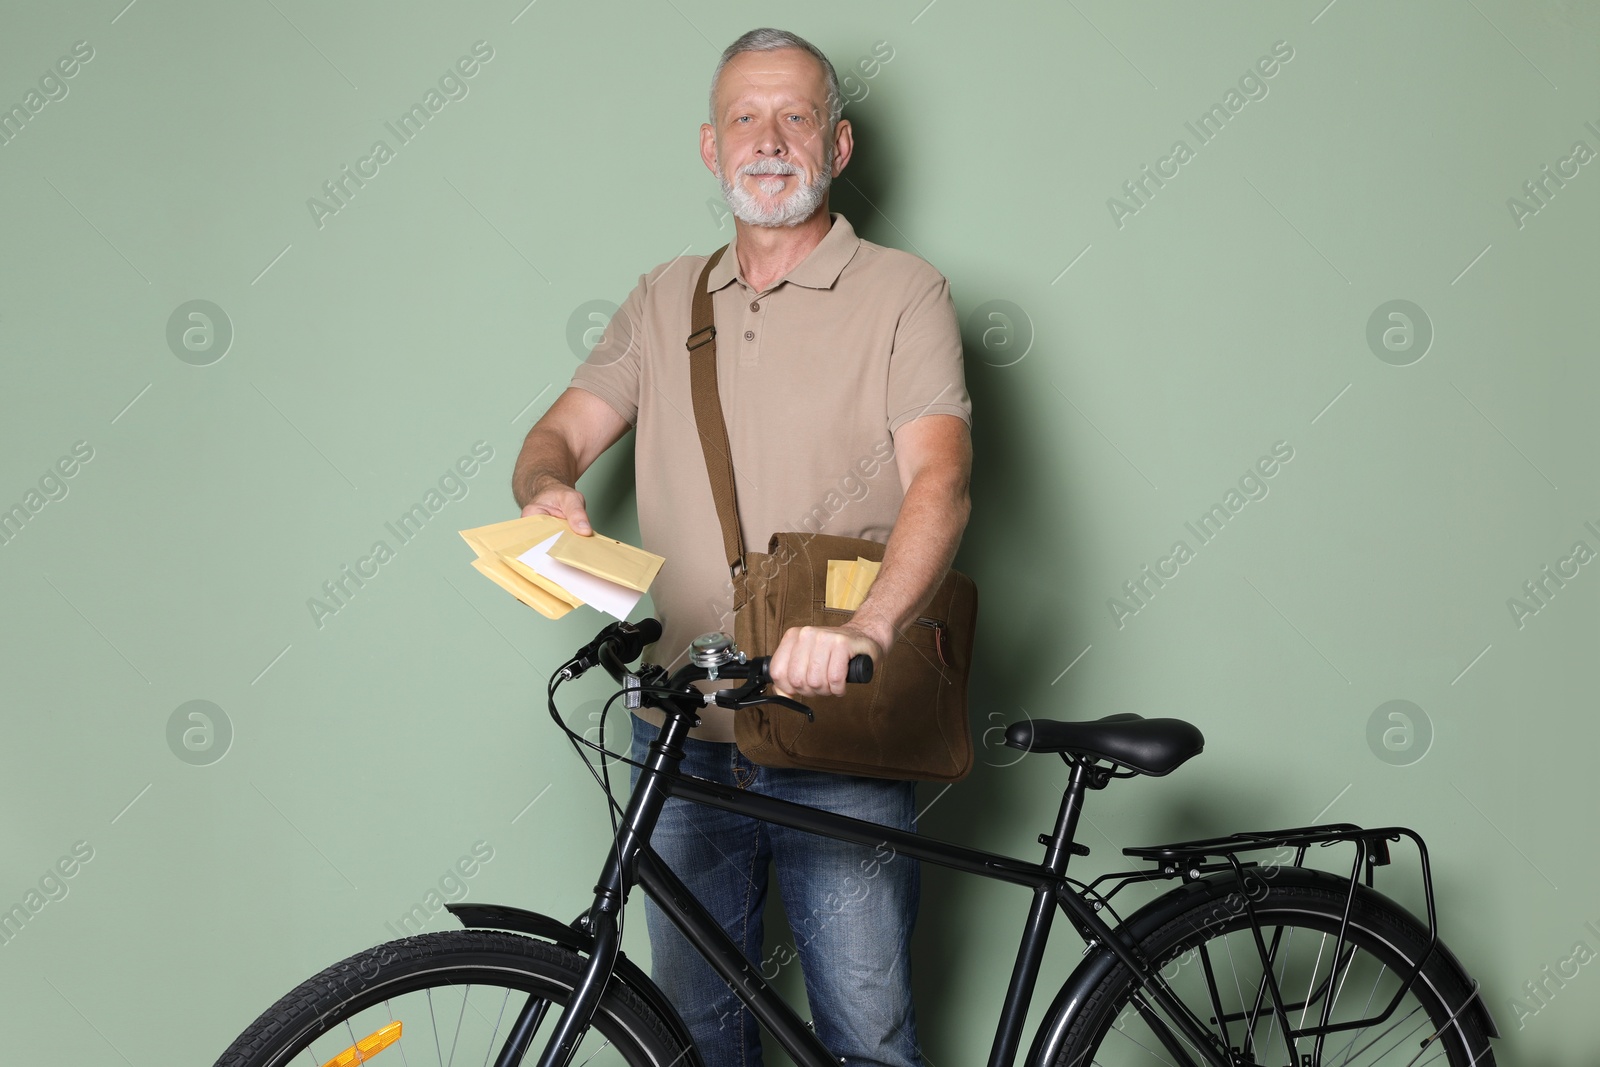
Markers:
755,306
749,335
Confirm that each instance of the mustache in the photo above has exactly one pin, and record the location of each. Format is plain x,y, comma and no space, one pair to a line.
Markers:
769,166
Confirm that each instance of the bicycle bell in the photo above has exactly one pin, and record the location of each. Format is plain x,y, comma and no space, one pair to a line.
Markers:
713,650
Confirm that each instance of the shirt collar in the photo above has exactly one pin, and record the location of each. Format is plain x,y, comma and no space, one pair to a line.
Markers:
819,270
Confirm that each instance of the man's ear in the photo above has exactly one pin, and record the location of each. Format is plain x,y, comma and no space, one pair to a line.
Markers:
708,146
844,145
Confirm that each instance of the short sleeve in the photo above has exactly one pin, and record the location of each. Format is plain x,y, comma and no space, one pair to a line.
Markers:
926,375
612,369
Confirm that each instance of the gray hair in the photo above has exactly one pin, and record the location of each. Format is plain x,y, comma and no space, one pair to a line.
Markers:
767,39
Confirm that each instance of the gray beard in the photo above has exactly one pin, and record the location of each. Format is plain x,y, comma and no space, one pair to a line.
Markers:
792,211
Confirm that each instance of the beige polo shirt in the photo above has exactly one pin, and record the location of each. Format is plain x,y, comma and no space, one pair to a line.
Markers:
815,374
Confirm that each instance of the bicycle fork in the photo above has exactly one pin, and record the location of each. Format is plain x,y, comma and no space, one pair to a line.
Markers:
610,893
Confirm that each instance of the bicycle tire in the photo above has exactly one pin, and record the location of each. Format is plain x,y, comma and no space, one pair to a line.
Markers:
1110,1032
438,976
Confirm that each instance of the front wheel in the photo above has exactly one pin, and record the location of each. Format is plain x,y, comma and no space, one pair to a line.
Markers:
448,998
1210,958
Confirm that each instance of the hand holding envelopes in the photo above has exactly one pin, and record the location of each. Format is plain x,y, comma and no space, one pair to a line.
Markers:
501,549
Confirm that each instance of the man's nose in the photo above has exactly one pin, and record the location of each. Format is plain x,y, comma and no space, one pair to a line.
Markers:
770,141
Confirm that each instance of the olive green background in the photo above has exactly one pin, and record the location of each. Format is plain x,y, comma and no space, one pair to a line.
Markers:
1127,368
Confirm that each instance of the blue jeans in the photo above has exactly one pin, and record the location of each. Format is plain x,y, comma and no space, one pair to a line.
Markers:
850,908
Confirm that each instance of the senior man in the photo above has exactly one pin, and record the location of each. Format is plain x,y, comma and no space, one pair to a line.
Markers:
840,373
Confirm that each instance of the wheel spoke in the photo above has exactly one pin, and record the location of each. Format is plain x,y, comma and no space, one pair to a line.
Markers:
1421,1024
1253,1013
1342,969
1216,998
1365,1011
1233,965
522,1032
439,1053
595,1053
401,1044
1438,1052
497,1020
1272,982
465,993
1153,1053
1311,983
1391,1029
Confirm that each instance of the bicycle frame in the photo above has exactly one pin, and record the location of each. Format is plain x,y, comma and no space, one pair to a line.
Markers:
1189,1041
633,862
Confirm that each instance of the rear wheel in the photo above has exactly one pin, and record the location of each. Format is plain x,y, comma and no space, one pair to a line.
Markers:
1210,959
449,998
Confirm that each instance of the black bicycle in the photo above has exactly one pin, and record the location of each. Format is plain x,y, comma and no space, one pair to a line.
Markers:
1251,958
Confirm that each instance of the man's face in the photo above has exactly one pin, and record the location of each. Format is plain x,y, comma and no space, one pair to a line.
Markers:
771,147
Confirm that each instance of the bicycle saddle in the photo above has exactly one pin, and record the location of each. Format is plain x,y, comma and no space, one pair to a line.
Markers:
1149,746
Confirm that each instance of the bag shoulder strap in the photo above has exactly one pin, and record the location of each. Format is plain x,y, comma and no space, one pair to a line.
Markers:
702,346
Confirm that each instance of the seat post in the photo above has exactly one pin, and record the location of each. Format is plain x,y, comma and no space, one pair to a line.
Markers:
1030,954
1061,841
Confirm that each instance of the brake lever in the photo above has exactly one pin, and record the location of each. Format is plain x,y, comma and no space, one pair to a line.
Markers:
795,705
745,697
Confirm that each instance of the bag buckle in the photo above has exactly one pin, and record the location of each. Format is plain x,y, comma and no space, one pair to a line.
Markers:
711,334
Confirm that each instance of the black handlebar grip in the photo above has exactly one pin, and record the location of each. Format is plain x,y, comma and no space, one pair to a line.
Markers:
649,632
631,638
860,669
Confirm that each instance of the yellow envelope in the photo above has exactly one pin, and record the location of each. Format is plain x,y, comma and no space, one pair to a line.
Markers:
499,544
862,576
837,579
848,581
514,536
537,580
606,557
536,598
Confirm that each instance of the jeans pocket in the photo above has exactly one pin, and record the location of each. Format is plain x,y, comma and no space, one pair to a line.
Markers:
744,772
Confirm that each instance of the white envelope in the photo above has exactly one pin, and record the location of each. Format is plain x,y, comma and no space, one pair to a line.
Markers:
609,597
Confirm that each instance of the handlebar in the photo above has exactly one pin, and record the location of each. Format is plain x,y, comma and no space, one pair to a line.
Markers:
857,671
621,642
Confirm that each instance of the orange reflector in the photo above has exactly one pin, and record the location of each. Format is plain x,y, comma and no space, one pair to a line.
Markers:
367,1047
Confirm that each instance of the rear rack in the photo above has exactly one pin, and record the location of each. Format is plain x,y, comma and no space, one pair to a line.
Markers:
1192,860
1373,844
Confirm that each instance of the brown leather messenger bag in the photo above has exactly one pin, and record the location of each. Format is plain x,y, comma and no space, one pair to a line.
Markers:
910,721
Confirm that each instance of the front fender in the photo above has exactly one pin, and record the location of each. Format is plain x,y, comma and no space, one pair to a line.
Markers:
1215,888
628,973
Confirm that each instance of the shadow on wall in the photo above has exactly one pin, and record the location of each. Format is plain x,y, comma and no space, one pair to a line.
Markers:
1018,500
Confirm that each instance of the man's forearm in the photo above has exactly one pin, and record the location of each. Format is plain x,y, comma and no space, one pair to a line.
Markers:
545,455
921,548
